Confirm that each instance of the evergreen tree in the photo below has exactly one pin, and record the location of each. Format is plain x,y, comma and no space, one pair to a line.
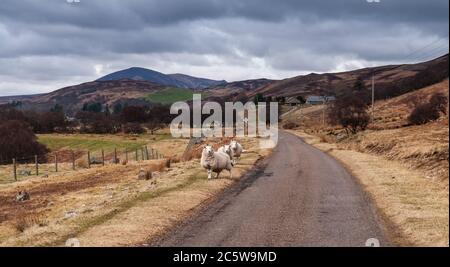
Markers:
359,85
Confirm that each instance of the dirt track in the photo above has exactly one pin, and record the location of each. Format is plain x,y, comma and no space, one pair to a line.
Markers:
299,197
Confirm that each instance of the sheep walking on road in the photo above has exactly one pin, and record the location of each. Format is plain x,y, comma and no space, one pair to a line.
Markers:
237,150
227,150
215,161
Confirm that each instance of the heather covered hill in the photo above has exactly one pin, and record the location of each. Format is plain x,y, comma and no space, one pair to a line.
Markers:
133,85
392,80
194,82
73,98
238,90
175,80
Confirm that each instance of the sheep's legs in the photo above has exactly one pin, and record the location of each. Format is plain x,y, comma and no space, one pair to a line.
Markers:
217,177
209,174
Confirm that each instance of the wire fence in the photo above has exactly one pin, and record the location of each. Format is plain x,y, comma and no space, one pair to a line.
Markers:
69,160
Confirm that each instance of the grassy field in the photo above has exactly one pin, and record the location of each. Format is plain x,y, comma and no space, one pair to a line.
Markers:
96,142
109,206
161,141
76,142
170,95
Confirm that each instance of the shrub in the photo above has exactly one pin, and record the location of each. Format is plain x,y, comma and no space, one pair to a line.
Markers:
350,112
132,128
29,221
134,114
8,112
98,123
47,122
439,101
430,111
82,163
290,125
153,126
93,107
359,84
18,141
422,114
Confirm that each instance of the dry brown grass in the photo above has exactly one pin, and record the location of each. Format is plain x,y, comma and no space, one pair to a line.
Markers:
108,198
392,113
196,150
307,116
24,223
82,163
422,147
404,169
389,114
155,216
415,208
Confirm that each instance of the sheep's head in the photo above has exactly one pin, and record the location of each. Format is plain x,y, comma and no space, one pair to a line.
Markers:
227,149
208,150
233,145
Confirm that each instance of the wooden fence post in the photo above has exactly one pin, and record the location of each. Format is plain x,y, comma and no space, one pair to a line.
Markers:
103,157
126,155
153,153
56,162
36,164
146,152
73,160
15,169
137,155
89,159
142,153
115,155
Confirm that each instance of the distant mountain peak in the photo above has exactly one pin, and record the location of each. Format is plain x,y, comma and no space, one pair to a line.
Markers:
176,80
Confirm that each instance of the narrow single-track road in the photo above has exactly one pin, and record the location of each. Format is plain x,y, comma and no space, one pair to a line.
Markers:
299,197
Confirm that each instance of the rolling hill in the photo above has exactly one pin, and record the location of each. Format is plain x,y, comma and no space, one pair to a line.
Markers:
133,86
236,90
73,98
392,77
175,80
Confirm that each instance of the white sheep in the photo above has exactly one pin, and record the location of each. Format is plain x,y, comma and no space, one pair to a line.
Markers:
215,161
237,150
227,150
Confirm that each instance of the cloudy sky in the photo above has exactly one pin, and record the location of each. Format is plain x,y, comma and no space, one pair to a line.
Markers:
49,44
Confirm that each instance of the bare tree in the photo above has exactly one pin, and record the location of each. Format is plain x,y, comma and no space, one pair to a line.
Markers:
350,112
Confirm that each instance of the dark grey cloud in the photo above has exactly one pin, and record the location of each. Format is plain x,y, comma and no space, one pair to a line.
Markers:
50,43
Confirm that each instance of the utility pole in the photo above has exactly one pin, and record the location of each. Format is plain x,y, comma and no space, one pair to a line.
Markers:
373,98
323,114
325,101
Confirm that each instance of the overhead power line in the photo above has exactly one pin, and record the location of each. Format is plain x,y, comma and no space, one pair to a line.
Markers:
418,52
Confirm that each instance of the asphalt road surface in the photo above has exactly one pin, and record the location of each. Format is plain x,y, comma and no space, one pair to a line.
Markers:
299,197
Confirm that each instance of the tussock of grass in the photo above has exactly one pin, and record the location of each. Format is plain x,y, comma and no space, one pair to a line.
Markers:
28,221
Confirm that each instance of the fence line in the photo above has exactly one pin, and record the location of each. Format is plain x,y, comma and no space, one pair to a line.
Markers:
58,160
